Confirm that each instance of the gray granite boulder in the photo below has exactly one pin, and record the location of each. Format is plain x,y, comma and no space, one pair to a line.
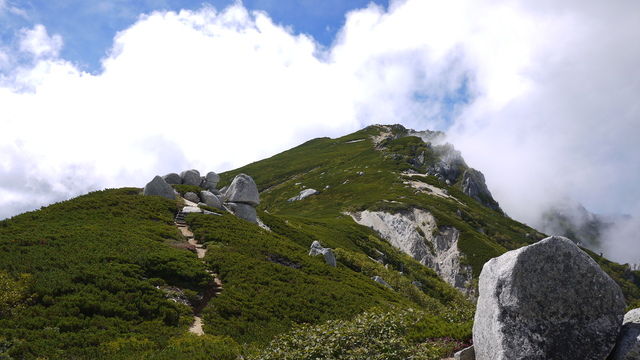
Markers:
304,194
210,199
159,187
193,197
549,300
244,211
628,343
210,181
243,190
172,179
191,177
329,257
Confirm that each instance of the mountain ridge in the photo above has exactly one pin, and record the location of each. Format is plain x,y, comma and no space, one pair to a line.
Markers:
108,275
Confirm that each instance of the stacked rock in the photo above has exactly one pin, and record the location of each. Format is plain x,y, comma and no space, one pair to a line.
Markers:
241,197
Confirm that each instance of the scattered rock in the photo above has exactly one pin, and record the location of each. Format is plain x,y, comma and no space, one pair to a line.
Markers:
329,257
379,280
191,177
191,209
193,197
243,190
628,343
172,179
159,187
417,284
465,354
210,199
304,194
244,211
548,300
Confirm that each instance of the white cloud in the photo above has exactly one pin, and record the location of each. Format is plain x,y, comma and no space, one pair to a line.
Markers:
549,95
37,42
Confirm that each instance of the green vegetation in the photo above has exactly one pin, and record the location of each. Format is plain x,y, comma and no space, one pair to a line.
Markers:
108,275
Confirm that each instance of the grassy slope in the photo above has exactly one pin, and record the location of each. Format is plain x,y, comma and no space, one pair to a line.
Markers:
337,163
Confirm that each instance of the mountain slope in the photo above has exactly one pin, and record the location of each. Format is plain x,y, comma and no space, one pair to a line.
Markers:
108,274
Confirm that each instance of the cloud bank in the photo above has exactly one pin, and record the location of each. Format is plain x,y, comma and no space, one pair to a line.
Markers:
541,97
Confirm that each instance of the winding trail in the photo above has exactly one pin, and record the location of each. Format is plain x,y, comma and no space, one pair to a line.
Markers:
196,328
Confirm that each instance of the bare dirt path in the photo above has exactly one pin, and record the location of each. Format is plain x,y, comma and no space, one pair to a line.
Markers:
196,327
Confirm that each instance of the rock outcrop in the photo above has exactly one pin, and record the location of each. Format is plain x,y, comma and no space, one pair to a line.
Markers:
240,198
548,300
304,194
628,343
243,190
159,187
329,257
416,233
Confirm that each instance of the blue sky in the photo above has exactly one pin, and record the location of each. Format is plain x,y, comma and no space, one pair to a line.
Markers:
542,97
88,27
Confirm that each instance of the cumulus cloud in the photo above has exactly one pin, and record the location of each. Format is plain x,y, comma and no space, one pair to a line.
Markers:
541,97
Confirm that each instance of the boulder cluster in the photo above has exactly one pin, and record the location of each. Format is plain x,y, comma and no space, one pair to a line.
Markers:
239,198
550,300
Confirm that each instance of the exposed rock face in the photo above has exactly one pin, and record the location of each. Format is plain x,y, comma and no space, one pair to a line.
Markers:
191,209
159,187
191,177
416,233
210,181
329,257
304,194
548,300
628,343
172,179
473,184
193,197
210,199
243,190
244,211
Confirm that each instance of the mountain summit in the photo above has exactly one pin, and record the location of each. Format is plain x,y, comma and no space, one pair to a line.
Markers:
403,224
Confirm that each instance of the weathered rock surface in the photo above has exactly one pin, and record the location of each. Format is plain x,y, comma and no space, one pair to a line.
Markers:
474,185
172,179
191,177
628,343
304,194
159,187
548,300
210,181
210,199
416,233
244,211
193,197
243,190
329,257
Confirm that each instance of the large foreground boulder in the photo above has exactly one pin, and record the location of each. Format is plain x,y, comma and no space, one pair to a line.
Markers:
548,300
329,257
210,199
172,179
243,190
159,187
